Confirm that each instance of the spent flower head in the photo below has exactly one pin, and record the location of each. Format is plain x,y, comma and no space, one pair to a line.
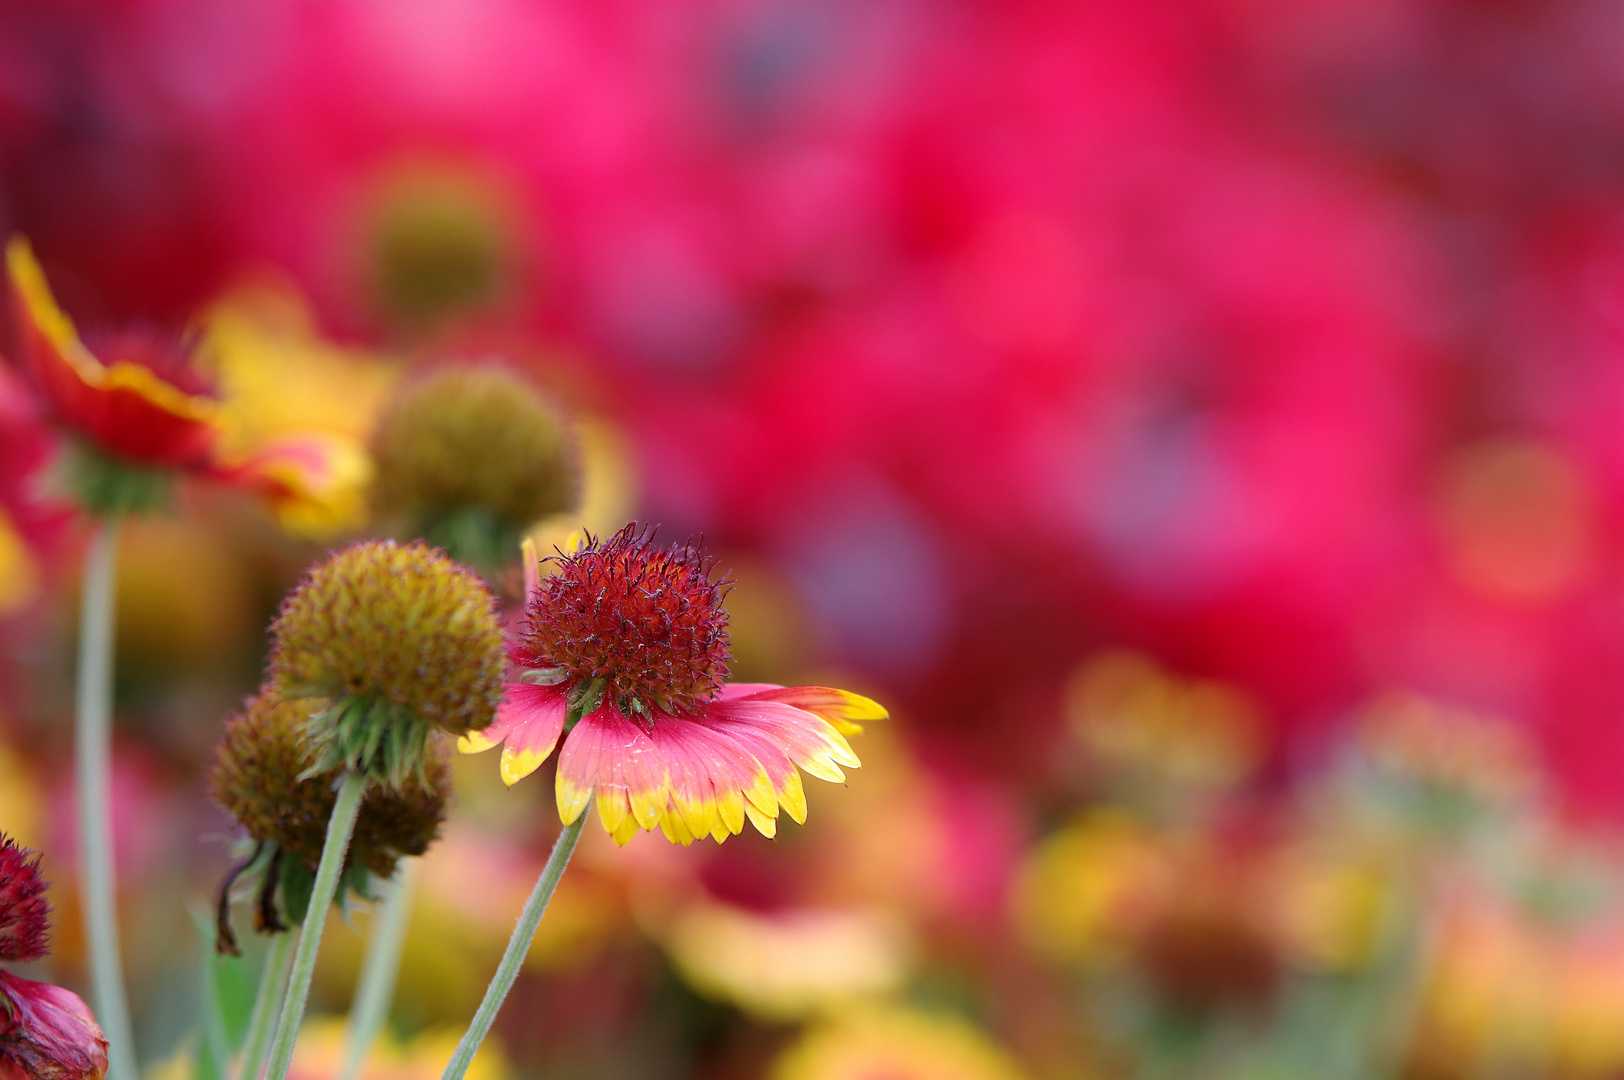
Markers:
392,641
468,456
626,645
262,777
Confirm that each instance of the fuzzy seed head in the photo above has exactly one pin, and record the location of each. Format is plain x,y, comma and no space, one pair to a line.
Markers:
25,914
259,778
437,248
647,620
473,439
400,625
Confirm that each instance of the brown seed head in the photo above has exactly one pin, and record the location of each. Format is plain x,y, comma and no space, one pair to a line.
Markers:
259,777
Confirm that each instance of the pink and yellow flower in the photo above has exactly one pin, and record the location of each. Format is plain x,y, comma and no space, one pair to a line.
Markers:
625,647
139,402
46,1032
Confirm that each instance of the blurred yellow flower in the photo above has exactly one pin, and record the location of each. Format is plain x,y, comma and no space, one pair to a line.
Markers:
1085,887
319,1055
1447,748
284,381
1329,905
19,575
896,1044
787,965
1142,722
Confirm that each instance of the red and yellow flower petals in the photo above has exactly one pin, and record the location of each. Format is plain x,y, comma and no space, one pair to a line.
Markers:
46,1031
315,484
808,740
842,709
609,755
125,408
713,778
529,720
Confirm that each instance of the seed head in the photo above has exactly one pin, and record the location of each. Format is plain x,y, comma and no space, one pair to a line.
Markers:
437,247
25,914
469,456
261,777
399,640
646,620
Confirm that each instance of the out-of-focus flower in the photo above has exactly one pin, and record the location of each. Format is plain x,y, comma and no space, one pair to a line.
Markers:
1329,904
1450,760
289,387
1144,725
468,457
897,1044
1209,945
437,245
632,639
1087,887
397,641
1517,521
140,410
319,1054
787,965
46,1033
261,777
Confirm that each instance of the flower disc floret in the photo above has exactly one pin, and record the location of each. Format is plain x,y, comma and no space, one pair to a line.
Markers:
25,914
398,640
647,622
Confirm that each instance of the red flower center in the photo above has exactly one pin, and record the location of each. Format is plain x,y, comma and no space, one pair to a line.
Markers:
25,914
648,621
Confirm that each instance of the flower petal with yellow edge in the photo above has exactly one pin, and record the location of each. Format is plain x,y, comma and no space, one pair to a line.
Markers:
841,708
125,408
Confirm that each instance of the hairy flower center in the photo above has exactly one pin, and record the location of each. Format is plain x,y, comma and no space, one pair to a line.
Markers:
648,621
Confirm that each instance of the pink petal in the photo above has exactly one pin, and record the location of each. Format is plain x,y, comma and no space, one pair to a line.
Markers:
608,753
48,1033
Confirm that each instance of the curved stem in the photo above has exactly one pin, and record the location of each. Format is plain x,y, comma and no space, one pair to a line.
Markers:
518,945
339,828
267,1003
93,738
379,969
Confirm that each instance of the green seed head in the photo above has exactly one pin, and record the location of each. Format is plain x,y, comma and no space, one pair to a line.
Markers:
262,776
397,640
437,247
469,456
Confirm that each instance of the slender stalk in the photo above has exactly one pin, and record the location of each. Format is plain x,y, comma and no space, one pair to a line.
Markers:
215,1038
339,828
273,983
376,988
93,738
518,945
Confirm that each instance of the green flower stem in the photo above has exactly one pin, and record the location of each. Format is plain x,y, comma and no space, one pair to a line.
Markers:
93,739
339,828
376,988
518,945
273,982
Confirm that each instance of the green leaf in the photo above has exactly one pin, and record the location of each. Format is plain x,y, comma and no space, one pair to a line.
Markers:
297,884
